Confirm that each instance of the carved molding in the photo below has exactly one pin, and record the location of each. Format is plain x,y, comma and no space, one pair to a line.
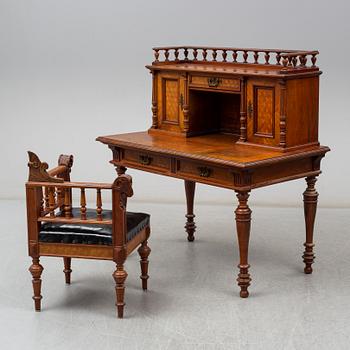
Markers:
316,162
243,178
37,170
66,160
123,184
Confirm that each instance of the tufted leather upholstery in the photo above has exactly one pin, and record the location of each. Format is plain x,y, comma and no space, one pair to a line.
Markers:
90,234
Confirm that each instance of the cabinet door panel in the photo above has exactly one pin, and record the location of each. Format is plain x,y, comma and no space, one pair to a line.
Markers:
170,94
263,112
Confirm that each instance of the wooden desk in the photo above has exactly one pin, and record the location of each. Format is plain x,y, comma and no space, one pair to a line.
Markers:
216,160
238,118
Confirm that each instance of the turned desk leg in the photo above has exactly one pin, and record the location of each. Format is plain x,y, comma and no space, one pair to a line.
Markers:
310,206
190,226
243,218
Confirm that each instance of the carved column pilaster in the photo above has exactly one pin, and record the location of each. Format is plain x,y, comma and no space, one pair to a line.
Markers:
243,111
154,101
283,114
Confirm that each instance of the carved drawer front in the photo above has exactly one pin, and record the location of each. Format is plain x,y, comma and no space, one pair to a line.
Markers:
213,82
205,173
146,160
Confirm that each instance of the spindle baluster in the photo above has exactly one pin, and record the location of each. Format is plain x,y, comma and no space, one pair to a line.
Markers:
234,56
186,53
267,57
176,54
224,55
278,58
51,201
256,57
245,56
214,54
46,198
82,204
205,53
166,54
195,54
294,61
290,59
156,55
59,196
99,204
67,203
303,60
285,61
313,60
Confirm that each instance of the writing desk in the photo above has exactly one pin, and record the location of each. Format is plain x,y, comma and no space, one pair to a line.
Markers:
234,125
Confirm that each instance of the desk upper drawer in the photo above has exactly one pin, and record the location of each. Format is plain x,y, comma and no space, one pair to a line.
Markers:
215,83
146,160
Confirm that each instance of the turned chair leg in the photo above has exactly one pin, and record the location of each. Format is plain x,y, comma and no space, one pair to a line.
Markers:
120,276
144,252
190,225
243,218
310,207
67,269
36,270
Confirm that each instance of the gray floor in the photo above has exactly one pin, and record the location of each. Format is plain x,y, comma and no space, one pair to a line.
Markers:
192,302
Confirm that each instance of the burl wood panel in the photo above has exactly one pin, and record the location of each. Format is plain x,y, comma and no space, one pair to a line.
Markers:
171,105
302,111
263,112
170,114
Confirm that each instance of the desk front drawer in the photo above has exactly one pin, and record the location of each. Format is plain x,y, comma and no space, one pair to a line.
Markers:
146,160
213,82
209,174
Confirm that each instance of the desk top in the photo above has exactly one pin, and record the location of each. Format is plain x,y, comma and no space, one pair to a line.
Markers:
216,148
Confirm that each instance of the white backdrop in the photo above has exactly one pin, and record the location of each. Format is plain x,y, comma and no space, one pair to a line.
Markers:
73,70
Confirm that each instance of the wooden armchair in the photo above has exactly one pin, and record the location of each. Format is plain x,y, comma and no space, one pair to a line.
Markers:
57,228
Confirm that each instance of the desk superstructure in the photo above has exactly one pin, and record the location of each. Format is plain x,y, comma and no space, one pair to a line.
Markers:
233,118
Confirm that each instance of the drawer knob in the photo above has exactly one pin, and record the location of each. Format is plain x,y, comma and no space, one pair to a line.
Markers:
145,160
214,82
204,171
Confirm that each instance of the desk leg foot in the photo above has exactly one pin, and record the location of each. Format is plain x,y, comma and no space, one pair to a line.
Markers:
310,206
243,218
190,225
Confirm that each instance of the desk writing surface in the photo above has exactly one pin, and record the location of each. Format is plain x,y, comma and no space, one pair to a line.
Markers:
218,148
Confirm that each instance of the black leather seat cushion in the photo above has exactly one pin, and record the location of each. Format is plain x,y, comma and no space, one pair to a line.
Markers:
91,234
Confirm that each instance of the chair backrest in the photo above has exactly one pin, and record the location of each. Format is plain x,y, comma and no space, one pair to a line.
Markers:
49,199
